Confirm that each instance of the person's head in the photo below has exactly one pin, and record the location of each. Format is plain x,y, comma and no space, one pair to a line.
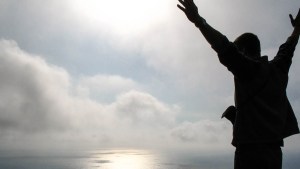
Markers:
249,44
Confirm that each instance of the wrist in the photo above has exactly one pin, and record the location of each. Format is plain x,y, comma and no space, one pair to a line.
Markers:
200,22
296,31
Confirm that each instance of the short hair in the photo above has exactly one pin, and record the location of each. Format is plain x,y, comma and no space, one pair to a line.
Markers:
248,42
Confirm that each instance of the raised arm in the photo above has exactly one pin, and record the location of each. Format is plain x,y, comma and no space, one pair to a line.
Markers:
283,58
214,37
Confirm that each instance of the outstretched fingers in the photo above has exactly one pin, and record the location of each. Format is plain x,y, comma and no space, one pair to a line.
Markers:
295,21
183,4
181,8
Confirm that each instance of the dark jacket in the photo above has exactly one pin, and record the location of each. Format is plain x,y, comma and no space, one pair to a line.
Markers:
264,113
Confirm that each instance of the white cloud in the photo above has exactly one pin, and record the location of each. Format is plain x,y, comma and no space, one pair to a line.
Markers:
30,90
143,109
38,106
105,87
206,131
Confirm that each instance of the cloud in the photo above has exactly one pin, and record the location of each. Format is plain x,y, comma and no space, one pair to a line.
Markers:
40,105
105,87
31,91
143,109
206,131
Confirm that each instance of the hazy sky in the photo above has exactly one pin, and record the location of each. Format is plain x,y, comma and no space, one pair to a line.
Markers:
132,73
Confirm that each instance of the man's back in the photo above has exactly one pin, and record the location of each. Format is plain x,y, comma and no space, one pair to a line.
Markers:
264,114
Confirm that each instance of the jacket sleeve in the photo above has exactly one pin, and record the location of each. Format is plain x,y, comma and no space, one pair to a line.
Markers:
240,65
283,58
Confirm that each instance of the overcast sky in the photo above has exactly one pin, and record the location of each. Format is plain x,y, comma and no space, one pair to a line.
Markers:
132,73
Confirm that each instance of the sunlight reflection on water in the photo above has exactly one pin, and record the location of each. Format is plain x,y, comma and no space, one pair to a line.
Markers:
114,159
122,159
125,159
145,159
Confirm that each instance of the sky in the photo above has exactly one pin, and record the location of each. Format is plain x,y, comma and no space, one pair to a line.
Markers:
134,73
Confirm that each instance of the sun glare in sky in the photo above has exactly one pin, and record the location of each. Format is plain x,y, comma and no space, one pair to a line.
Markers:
120,15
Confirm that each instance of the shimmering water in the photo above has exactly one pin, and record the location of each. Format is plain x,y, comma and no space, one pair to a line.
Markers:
112,159
123,159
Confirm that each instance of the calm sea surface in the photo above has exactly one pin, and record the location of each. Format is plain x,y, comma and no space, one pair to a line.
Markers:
124,159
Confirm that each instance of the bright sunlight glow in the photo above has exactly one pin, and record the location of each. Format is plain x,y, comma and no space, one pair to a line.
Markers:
122,16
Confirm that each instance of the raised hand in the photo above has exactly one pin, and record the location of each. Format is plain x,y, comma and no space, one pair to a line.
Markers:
295,22
190,9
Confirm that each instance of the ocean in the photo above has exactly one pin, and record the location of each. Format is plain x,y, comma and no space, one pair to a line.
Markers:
124,159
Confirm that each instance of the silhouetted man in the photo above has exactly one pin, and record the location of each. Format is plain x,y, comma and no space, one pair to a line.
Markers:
262,116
